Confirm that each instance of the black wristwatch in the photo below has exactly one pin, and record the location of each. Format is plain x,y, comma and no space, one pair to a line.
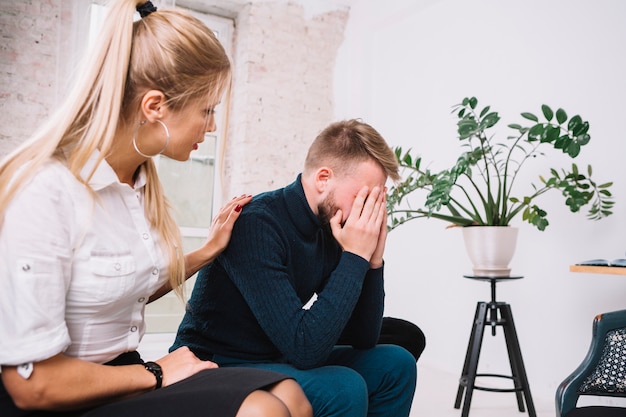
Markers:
156,370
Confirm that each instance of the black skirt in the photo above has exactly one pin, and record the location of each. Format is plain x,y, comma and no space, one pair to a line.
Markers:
215,392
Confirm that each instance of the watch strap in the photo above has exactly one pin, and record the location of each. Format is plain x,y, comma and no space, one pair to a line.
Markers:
156,370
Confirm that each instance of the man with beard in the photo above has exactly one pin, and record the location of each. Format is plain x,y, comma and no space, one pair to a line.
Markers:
299,289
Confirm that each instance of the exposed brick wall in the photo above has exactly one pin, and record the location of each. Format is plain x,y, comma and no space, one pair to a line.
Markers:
30,32
282,93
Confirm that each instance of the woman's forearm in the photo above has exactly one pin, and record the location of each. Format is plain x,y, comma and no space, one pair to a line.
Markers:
64,383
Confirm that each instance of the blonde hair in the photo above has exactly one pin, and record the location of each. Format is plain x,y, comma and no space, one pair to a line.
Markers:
169,51
344,143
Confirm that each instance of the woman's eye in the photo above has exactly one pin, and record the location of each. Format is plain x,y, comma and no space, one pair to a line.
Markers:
210,111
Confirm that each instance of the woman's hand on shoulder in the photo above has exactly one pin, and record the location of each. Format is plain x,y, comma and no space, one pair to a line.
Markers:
223,222
219,235
180,364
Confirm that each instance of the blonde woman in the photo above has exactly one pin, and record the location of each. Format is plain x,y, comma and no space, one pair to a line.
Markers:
86,238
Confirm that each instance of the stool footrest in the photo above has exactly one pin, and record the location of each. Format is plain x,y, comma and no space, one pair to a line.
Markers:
463,382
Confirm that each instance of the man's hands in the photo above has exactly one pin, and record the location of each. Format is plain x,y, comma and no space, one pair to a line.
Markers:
365,230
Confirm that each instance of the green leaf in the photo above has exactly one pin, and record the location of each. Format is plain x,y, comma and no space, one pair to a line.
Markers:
550,134
530,116
574,122
489,120
536,132
473,102
547,112
582,140
484,111
466,128
566,142
580,129
561,116
573,149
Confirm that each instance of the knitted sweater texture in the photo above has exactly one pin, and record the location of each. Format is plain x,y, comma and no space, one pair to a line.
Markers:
248,304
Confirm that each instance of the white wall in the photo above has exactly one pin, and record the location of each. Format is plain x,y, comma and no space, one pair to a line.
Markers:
402,66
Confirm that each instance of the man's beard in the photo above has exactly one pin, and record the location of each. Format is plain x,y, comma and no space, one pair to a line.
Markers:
326,209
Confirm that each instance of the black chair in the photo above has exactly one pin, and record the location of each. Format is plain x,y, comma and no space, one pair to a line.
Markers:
602,373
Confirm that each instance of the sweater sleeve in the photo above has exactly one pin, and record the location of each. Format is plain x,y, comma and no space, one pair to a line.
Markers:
363,329
258,262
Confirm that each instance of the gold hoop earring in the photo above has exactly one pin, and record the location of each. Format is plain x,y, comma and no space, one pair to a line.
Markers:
167,139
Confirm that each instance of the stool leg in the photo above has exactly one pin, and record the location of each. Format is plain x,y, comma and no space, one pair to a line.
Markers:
462,380
470,367
517,363
513,360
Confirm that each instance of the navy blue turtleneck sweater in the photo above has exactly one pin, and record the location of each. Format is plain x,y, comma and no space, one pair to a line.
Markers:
248,303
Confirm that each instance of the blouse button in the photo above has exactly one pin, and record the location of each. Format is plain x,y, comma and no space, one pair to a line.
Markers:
155,271
145,236
141,299
117,266
26,267
133,329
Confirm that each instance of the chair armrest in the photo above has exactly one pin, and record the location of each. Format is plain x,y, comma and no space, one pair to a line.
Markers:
567,393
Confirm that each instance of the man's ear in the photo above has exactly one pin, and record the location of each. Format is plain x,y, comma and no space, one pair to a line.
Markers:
153,105
322,176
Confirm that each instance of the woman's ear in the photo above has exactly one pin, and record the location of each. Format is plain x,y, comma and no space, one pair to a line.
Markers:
153,105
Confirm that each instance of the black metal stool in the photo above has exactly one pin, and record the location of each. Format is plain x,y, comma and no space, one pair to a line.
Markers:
494,313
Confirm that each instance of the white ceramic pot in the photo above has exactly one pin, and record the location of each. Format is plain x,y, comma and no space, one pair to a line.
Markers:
490,249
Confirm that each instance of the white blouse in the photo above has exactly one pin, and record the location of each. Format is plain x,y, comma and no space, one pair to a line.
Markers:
76,271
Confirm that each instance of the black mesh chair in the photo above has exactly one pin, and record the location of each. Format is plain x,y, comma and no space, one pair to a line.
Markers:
602,373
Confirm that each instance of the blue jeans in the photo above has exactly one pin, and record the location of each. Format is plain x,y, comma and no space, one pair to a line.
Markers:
377,382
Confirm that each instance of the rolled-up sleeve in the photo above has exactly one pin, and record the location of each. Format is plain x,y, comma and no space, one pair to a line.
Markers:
35,252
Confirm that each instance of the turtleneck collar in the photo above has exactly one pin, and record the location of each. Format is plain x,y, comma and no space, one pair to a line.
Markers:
300,212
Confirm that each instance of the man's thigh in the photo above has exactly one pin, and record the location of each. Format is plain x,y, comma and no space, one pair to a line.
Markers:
383,367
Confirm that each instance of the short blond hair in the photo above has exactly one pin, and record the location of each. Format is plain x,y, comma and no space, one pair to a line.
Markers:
345,143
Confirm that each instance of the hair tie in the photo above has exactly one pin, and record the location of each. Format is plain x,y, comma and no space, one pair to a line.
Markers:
146,8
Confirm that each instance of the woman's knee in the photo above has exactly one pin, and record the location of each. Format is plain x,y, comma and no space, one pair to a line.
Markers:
261,403
291,394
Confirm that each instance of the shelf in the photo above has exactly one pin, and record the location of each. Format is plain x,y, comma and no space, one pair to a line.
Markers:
611,270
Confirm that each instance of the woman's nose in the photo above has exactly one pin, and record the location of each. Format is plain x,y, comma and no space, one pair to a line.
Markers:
211,126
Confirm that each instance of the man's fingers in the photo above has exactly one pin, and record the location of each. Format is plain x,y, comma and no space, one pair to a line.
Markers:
371,207
335,224
359,201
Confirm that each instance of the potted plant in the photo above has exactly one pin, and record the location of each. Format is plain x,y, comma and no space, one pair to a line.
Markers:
479,190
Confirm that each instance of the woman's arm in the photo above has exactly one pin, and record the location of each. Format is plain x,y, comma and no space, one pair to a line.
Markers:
219,236
64,383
